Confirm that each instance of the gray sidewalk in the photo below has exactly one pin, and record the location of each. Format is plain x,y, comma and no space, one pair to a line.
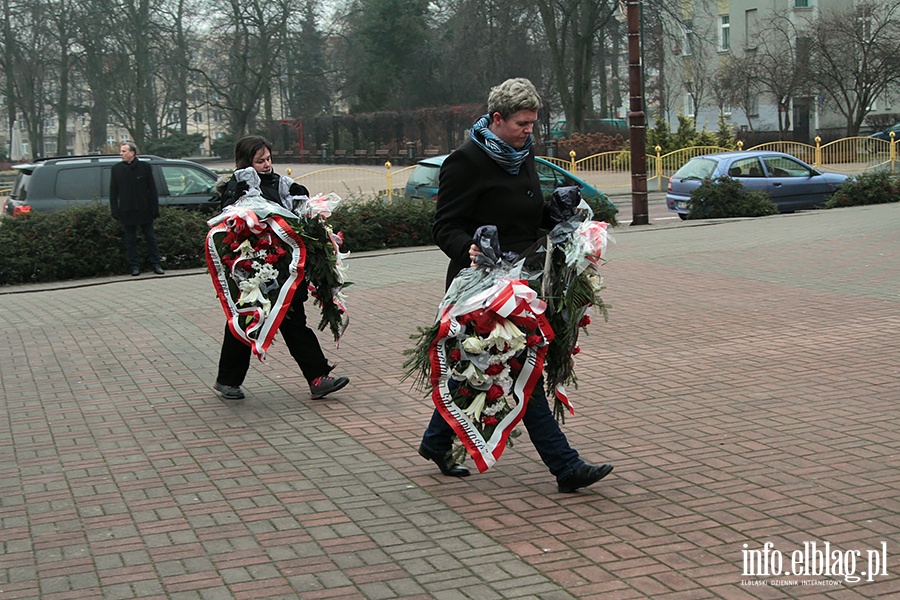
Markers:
746,388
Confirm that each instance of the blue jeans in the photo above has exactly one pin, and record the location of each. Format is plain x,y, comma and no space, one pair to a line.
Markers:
131,246
544,431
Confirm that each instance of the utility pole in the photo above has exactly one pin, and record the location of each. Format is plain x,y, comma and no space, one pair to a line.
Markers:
637,118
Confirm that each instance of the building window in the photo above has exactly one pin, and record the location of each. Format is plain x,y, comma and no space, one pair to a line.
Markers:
688,32
802,3
724,33
753,105
750,33
690,105
864,18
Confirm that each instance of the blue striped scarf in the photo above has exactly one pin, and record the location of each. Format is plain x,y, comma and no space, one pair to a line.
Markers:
503,154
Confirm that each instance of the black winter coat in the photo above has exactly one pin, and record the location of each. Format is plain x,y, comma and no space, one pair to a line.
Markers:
473,191
132,193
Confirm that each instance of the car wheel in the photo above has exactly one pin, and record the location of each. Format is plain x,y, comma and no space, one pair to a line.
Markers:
683,216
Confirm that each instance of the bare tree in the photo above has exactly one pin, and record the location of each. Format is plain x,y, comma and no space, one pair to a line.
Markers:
855,56
240,78
571,28
28,67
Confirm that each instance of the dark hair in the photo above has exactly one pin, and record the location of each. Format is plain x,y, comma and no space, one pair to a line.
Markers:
246,148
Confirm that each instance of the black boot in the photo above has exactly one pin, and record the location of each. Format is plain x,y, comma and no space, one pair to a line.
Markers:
584,476
443,463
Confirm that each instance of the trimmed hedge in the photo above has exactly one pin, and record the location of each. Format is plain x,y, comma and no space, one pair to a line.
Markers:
726,197
873,187
85,242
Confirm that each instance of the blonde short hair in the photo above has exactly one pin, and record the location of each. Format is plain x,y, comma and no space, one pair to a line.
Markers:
513,95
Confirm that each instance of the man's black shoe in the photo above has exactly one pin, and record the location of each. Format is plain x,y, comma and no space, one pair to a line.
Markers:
584,476
135,271
443,463
158,270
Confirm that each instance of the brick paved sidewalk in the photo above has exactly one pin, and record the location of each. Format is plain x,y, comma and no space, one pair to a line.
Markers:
746,388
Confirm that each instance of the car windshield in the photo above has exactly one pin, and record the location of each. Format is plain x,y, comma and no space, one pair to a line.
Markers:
424,176
696,168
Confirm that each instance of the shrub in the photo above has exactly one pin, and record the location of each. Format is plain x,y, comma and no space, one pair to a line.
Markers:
588,144
175,145
725,197
874,187
376,224
85,241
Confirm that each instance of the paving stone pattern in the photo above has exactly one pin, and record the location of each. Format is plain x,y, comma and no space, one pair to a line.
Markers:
746,387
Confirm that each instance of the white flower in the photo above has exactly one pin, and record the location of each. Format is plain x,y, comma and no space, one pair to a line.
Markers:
495,407
477,406
506,336
473,345
251,294
471,373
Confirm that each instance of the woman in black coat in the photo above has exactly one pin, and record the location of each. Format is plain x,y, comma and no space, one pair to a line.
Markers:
491,180
234,359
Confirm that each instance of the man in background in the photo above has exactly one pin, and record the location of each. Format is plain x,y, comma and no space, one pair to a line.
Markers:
134,202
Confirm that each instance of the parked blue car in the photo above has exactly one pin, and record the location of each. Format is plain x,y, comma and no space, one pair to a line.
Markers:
423,181
790,183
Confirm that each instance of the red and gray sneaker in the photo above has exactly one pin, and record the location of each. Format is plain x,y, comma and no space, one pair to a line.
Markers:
322,386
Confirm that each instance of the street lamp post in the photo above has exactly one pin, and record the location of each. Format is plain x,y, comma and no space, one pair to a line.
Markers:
637,118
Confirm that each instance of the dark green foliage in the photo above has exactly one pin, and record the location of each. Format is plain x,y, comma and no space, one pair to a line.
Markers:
223,147
376,224
726,197
85,241
181,235
175,145
874,187
685,136
604,210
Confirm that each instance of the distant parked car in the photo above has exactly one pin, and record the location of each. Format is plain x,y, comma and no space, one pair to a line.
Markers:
56,183
790,183
886,134
423,181
610,127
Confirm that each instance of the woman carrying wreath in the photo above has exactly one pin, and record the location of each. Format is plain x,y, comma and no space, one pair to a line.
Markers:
492,180
302,342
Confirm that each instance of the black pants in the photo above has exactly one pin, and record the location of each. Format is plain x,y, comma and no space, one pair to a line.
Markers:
131,244
234,360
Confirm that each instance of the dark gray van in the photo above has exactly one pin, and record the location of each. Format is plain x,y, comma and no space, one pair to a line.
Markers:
57,183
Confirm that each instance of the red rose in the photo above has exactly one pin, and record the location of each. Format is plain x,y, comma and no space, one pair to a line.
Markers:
576,350
494,392
244,264
493,370
490,420
456,355
533,340
484,321
271,259
585,321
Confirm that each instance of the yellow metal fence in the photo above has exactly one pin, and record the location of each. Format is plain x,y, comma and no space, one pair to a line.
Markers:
612,170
